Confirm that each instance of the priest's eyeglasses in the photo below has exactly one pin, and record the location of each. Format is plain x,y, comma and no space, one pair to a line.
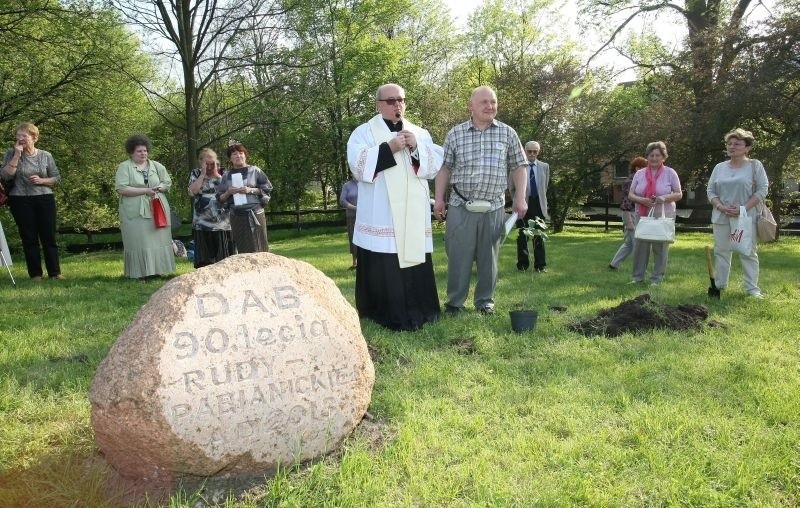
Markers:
393,100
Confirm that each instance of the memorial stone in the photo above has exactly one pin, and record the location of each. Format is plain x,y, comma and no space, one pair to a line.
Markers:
237,368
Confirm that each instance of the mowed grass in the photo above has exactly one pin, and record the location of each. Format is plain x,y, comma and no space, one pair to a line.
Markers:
549,418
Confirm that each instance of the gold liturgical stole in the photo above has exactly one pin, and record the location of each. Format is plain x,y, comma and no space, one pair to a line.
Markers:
405,193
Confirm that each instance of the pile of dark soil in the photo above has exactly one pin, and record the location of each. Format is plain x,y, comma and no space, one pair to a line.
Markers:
642,314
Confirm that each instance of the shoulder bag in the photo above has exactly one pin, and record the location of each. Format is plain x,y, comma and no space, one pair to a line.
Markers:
5,189
655,229
766,227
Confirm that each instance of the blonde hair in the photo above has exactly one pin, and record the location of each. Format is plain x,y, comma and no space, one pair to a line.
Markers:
203,152
742,135
30,128
656,145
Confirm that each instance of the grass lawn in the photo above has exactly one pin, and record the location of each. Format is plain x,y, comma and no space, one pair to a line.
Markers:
549,418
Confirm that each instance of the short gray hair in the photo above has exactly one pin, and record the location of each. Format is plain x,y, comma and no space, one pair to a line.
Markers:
656,145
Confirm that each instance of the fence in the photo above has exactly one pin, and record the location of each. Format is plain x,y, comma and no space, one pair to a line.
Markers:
604,214
598,214
298,219
688,218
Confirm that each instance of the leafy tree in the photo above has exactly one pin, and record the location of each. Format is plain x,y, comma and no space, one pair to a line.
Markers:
210,42
590,136
349,49
717,38
546,94
67,69
767,85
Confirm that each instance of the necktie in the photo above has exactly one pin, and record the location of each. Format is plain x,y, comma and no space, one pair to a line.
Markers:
533,191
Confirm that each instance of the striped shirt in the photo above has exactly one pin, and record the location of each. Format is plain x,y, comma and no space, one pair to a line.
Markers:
480,161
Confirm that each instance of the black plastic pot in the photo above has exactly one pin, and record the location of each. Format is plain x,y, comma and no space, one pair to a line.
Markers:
523,320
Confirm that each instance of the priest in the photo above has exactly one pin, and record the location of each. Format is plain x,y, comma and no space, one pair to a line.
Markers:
392,160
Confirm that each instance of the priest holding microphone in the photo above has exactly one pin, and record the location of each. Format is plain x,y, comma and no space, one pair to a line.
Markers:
392,160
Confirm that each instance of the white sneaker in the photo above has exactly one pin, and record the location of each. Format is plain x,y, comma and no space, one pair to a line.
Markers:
757,294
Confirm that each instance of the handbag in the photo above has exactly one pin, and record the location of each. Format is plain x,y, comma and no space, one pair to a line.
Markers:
766,227
742,240
159,215
3,194
655,229
5,189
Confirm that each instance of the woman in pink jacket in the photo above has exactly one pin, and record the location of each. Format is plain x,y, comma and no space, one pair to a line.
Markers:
655,186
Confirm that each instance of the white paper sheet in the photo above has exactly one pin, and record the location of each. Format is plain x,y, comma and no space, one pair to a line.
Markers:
236,181
511,221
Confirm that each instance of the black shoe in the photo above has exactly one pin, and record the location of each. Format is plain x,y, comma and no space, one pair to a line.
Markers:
449,310
486,311
522,268
542,270
612,268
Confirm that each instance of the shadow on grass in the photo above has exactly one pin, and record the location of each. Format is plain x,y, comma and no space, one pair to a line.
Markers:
71,479
56,374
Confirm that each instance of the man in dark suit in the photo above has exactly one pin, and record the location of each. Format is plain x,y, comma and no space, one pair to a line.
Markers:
538,180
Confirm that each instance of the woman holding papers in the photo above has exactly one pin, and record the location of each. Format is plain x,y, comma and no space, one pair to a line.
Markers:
139,181
245,190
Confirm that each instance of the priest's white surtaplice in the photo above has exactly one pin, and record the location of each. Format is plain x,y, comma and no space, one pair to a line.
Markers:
393,214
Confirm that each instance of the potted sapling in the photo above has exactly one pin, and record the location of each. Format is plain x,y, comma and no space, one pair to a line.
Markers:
524,318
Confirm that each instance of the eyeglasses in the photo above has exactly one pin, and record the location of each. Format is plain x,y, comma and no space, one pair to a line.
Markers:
393,100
